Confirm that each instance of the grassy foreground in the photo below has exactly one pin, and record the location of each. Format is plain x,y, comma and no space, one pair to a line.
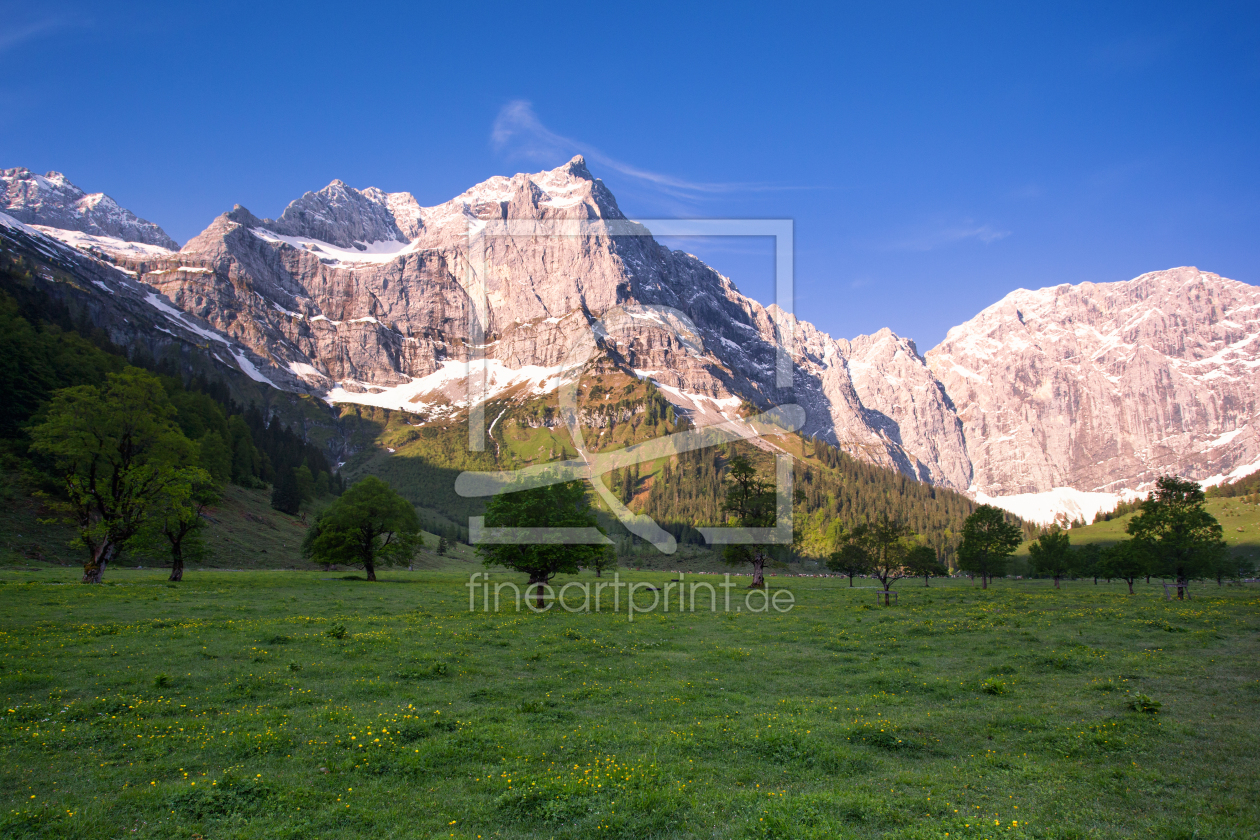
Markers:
232,705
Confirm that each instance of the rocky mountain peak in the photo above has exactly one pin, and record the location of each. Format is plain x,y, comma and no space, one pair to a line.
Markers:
52,201
342,216
577,168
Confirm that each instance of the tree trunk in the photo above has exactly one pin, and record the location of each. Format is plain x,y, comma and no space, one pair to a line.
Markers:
371,571
177,564
1181,589
925,580
758,581
984,581
1056,582
538,594
94,569
1130,587
850,580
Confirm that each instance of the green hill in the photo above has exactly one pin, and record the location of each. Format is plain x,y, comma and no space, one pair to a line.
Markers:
1239,518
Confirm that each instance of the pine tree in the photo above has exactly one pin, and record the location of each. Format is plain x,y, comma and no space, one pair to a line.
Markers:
286,497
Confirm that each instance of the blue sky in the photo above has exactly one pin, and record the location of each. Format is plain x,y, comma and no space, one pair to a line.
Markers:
932,159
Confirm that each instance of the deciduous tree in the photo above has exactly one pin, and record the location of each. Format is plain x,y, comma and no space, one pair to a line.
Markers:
177,521
851,556
369,525
751,504
1051,554
119,453
1176,531
1086,562
921,561
888,541
1126,560
563,505
988,542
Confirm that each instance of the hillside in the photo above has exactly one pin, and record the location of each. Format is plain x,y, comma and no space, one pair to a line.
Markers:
422,457
1239,518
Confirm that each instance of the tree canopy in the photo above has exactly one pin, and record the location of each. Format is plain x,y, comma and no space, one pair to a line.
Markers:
851,556
750,502
369,525
921,561
888,540
562,505
1051,554
1126,560
1176,532
987,544
120,454
177,523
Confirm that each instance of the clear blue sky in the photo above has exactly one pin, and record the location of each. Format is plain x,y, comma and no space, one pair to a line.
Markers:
933,159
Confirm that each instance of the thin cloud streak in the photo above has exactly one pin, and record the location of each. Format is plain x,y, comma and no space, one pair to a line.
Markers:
950,235
16,36
518,132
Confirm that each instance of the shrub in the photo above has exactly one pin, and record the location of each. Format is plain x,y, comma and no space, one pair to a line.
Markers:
993,686
1145,704
337,631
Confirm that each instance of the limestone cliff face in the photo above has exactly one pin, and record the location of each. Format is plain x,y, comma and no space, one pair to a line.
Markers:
1106,386
365,296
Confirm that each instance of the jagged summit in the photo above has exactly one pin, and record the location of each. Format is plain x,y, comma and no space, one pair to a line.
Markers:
351,219
50,200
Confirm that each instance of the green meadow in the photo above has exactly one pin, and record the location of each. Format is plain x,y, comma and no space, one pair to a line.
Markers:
278,704
1239,518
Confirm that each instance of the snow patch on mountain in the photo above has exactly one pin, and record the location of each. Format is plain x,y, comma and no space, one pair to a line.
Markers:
159,303
1062,505
1236,473
452,385
378,253
109,244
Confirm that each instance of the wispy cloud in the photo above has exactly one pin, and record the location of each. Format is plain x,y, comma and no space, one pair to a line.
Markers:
14,35
518,133
943,235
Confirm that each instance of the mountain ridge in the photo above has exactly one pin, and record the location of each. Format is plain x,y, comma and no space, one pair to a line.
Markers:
51,200
362,296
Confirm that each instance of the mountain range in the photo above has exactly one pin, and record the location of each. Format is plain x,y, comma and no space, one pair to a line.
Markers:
1053,403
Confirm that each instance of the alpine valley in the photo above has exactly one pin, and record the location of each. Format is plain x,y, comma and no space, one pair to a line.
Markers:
1054,403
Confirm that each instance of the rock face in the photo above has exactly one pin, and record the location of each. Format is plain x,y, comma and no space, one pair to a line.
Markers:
52,201
132,313
1103,387
365,296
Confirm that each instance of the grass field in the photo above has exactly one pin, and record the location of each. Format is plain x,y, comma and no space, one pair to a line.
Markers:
313,705
1240,526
